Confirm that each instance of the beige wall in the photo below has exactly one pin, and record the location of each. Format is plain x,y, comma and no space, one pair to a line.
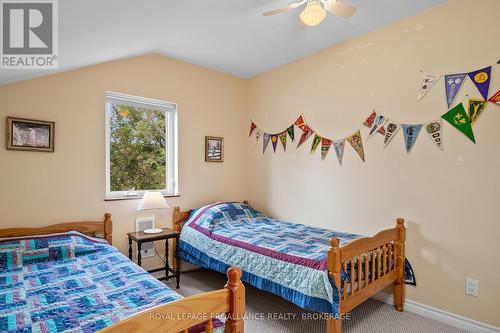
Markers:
42,188
449,198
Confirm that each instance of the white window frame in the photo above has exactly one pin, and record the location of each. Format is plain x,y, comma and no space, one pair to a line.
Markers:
170,110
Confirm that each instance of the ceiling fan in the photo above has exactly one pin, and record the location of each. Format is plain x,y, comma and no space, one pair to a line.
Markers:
315,10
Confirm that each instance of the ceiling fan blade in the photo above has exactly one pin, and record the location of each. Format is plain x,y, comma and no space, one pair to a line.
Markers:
283,9
341,8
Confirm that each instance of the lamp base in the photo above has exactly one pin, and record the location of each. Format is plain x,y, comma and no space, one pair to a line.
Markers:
153,231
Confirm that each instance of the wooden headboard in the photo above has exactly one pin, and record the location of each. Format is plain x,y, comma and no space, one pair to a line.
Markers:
91,228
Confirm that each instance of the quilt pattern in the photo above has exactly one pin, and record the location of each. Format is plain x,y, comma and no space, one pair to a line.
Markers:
73,283
284,258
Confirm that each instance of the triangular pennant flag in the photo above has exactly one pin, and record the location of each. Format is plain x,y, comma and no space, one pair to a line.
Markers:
300,123
369,122
411,133
291,132
428,81
274,141
282,136
252,128
356,143
371,118
306,133
378,123
435,129
315,144
476,106
339,149
258,134
266,139
495,98
482,79
325,147
453,83
458,118
392,129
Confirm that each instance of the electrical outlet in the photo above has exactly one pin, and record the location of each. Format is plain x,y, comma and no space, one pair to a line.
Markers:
472,287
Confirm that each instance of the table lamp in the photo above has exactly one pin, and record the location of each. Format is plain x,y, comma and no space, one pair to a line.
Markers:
152,201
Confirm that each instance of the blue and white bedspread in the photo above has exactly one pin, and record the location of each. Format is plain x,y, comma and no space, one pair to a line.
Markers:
71,283
286,259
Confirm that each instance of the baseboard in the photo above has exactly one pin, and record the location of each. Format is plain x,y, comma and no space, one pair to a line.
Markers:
449,318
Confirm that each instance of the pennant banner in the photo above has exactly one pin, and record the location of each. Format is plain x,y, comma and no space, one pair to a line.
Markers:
434,130
282,136
411,133
258,134
357,144
274,141
481,79
453,83
495,98
315,144
300,123
252,127
370,120
428,81
392,129
291,132
458,118
306,133
378,123
266,139
476,106
339,149
325,147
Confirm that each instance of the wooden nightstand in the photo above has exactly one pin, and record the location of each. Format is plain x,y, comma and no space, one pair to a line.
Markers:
140,237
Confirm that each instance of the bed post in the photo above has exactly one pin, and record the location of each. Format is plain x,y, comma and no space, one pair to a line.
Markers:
176,226
334,322
399,284
235,323
108,228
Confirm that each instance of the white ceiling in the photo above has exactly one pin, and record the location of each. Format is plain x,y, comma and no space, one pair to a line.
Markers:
227,35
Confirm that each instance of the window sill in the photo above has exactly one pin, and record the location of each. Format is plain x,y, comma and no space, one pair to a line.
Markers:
138,197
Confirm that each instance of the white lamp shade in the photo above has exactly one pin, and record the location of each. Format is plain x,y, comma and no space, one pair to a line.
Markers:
153,201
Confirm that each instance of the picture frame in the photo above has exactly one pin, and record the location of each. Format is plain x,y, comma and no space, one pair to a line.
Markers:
214,149
30,134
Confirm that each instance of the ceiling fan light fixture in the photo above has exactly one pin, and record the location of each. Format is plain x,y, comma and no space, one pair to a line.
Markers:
313,14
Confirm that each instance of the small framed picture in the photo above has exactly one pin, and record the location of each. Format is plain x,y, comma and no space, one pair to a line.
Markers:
31,135
214,149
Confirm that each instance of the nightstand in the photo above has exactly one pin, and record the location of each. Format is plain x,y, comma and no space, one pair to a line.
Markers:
140,237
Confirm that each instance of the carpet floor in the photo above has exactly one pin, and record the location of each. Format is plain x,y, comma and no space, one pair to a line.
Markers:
272,314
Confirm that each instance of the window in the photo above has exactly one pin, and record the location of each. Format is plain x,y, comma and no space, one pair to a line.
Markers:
141,146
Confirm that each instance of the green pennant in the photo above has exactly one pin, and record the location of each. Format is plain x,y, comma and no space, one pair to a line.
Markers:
315,144
291,132
459,119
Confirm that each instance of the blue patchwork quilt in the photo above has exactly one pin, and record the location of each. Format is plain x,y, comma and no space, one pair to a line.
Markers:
283,258
71,283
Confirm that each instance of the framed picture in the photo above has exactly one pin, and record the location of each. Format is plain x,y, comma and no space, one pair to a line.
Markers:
214,149
31,135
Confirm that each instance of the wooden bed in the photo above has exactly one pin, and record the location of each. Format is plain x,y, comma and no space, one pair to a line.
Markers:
189,311
361,259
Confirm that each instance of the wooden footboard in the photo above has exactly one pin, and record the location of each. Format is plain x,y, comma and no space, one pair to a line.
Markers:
371,264
183,314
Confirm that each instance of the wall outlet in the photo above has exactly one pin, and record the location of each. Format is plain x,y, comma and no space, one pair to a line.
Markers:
472,287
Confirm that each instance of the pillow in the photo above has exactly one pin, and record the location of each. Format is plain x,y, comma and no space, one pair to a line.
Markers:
62,252
10,259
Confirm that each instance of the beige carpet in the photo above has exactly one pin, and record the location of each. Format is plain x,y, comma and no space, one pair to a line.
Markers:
372,316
